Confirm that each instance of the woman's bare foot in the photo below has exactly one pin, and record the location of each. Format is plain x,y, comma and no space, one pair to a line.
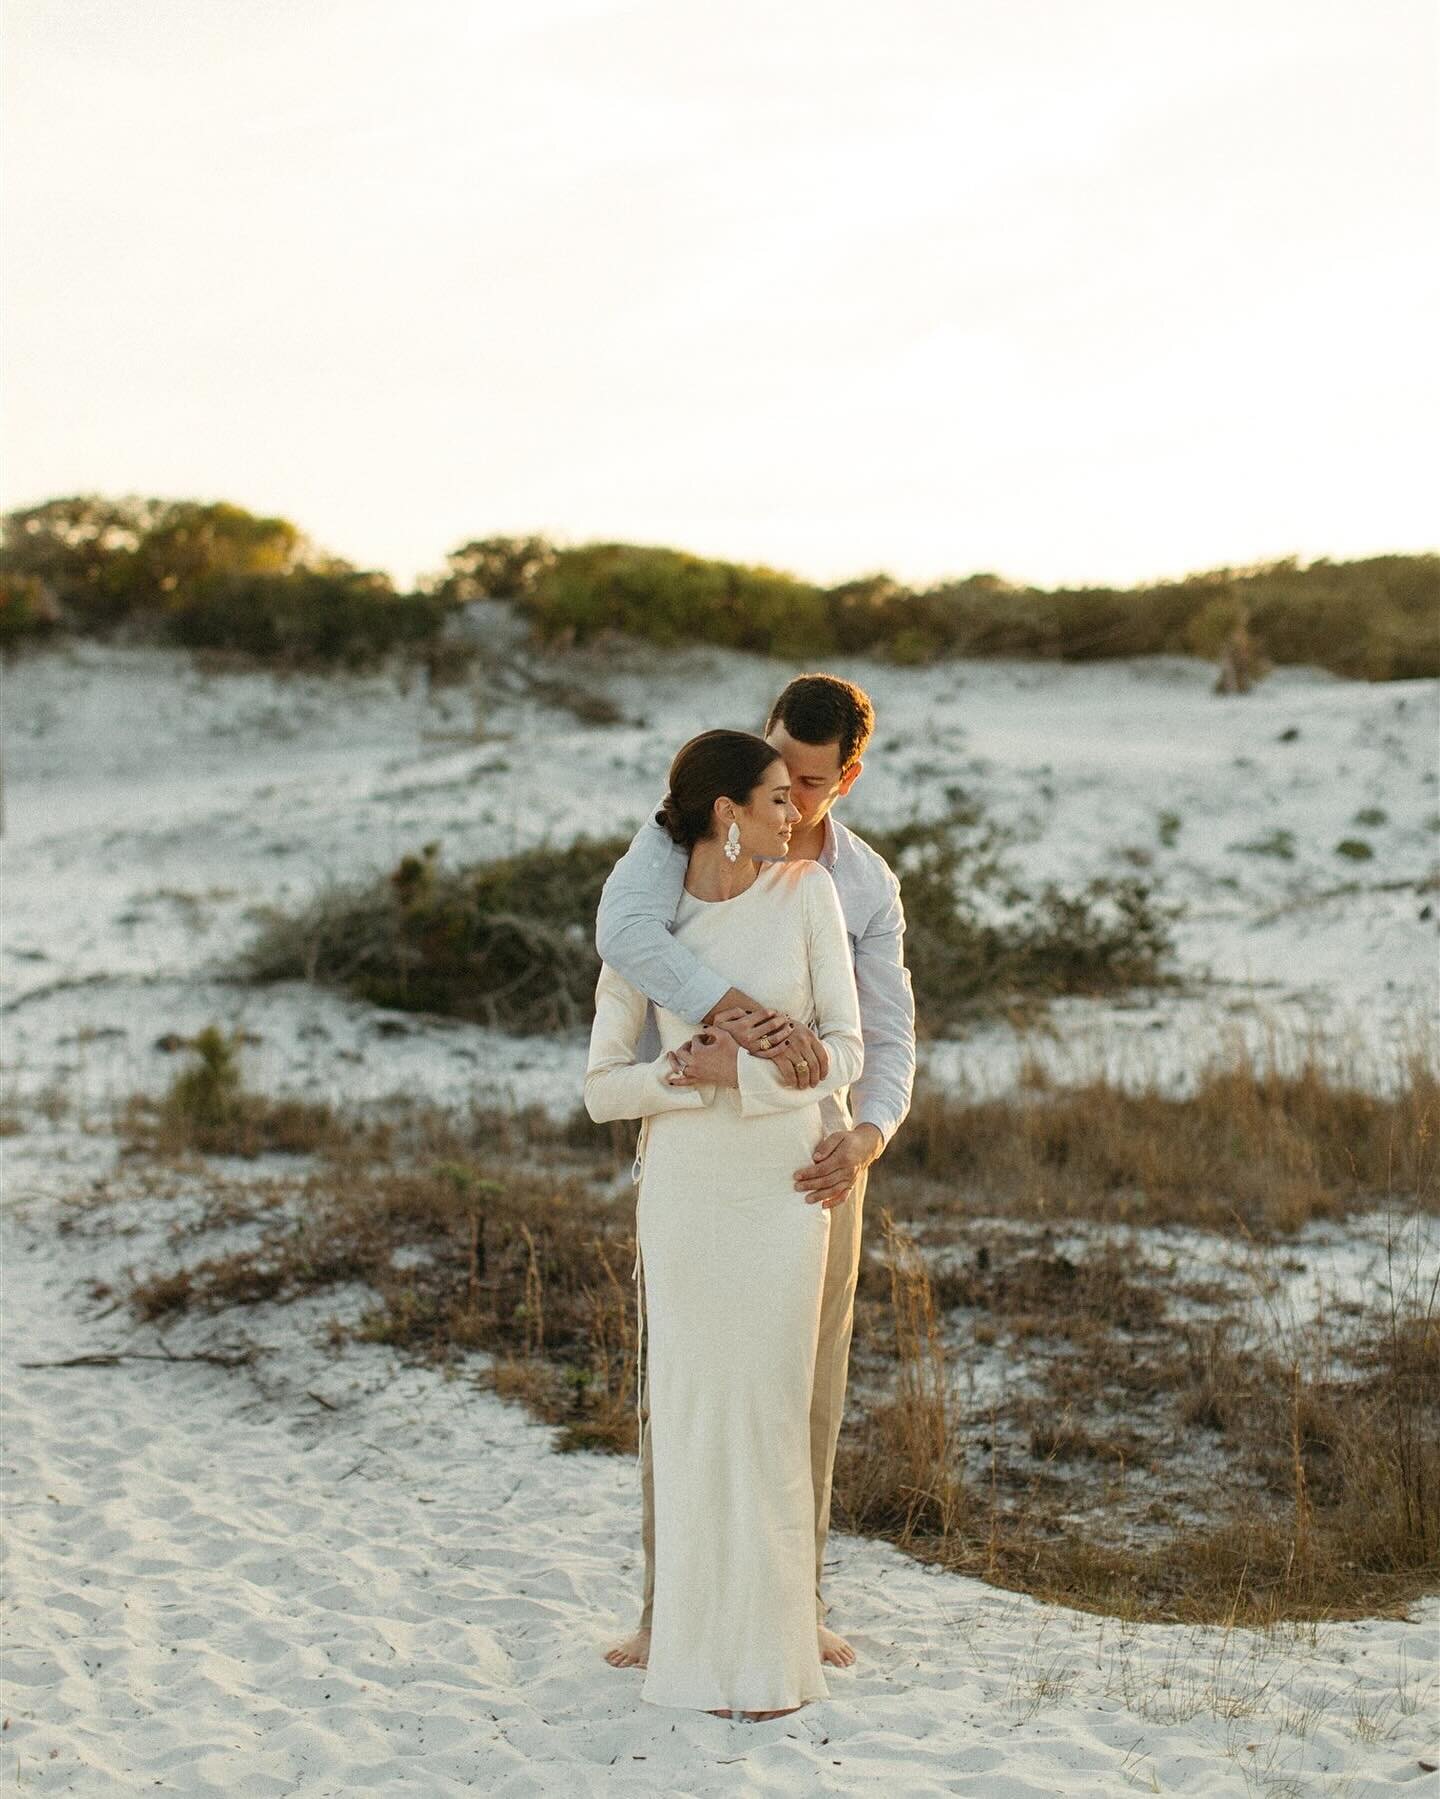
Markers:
835,1652
632,1652
760,1717
722,1714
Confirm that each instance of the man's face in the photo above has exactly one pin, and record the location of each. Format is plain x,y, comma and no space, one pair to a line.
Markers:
815,779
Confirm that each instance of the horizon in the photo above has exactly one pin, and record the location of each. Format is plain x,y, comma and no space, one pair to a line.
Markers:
1093,295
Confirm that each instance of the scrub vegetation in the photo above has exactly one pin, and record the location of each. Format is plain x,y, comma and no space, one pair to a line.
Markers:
212,576
1377,619
510,943
1168,1441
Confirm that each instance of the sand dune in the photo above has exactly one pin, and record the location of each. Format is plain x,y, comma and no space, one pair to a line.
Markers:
331,1576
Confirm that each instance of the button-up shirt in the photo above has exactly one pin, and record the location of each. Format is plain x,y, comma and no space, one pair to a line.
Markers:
633,934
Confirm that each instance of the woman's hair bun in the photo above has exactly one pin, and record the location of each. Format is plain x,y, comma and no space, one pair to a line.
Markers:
669,817
716,763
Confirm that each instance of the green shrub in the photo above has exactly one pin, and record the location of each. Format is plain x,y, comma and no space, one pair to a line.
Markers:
975,939
341,618
205,576
207,1095
27,609
217,575
495,568
208,1108
508,944
670,597
1375,618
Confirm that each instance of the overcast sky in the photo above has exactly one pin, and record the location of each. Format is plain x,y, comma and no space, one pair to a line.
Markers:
1072,290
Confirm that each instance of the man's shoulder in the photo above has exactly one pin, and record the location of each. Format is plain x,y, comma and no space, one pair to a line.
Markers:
652,846
866,861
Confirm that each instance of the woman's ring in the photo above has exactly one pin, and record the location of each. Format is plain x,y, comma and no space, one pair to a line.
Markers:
764,1043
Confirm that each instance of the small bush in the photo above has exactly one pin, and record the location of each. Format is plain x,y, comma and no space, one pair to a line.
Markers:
310,618
508,944
975,939
1278,843
28,610
1354,849
208,1108
670,598
206,1096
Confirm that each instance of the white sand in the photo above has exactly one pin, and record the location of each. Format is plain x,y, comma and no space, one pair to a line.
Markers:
216,1584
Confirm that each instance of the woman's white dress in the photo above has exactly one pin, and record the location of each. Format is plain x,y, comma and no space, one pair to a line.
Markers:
732,1261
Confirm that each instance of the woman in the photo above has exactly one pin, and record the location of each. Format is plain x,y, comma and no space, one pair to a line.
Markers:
731,1256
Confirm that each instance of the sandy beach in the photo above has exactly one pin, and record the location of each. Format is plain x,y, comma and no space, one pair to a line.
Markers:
327,1573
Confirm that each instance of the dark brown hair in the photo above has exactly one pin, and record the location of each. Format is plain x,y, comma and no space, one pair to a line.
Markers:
731,763
825,709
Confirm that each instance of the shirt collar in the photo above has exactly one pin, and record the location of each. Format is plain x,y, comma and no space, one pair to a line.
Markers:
830,848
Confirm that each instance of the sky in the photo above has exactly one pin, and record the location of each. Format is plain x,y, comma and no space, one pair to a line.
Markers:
1073,291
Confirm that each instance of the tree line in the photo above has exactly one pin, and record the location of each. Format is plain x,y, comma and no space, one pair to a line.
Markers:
211,575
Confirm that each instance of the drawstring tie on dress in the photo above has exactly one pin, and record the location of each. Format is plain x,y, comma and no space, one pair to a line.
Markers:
636,1272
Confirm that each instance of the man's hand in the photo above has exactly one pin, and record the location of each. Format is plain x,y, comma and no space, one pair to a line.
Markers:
830,1173
800,1058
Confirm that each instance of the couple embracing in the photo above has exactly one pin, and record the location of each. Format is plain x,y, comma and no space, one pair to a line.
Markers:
753,990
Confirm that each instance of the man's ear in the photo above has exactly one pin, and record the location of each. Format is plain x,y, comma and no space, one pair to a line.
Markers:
849,778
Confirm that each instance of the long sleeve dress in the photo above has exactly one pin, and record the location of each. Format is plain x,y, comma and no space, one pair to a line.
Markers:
732,1261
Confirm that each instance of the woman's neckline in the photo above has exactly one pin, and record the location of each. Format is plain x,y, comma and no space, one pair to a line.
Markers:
730,899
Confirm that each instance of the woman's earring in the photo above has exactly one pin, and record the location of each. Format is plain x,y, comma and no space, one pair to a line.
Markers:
732,842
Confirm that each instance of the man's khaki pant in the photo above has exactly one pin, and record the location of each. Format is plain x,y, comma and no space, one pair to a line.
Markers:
827,1401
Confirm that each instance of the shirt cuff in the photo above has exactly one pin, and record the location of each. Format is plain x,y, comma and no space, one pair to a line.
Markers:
887,1127
700,995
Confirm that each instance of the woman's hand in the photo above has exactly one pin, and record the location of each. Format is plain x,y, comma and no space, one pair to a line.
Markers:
800,1058
757,1030
710,1058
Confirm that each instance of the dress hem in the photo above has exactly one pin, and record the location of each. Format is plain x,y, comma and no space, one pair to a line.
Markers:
701,1705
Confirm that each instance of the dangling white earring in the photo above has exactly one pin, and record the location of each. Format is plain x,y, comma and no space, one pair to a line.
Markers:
732,842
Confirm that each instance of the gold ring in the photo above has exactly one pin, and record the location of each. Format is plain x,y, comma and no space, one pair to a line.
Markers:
764,1043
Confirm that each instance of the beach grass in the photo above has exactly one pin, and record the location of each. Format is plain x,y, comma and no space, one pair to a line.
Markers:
1172,1445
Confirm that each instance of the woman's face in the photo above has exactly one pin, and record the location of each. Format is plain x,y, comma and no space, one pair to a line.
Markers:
768,819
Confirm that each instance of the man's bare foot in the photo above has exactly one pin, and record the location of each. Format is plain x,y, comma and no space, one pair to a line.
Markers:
835,1652
632,1652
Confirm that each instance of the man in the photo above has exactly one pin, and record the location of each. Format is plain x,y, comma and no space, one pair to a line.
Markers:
821,726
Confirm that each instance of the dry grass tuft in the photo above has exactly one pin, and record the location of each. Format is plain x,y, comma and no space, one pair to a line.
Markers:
902,1481
1251,1149
1163,1452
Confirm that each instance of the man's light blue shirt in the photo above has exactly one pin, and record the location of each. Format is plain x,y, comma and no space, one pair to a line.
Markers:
633,934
